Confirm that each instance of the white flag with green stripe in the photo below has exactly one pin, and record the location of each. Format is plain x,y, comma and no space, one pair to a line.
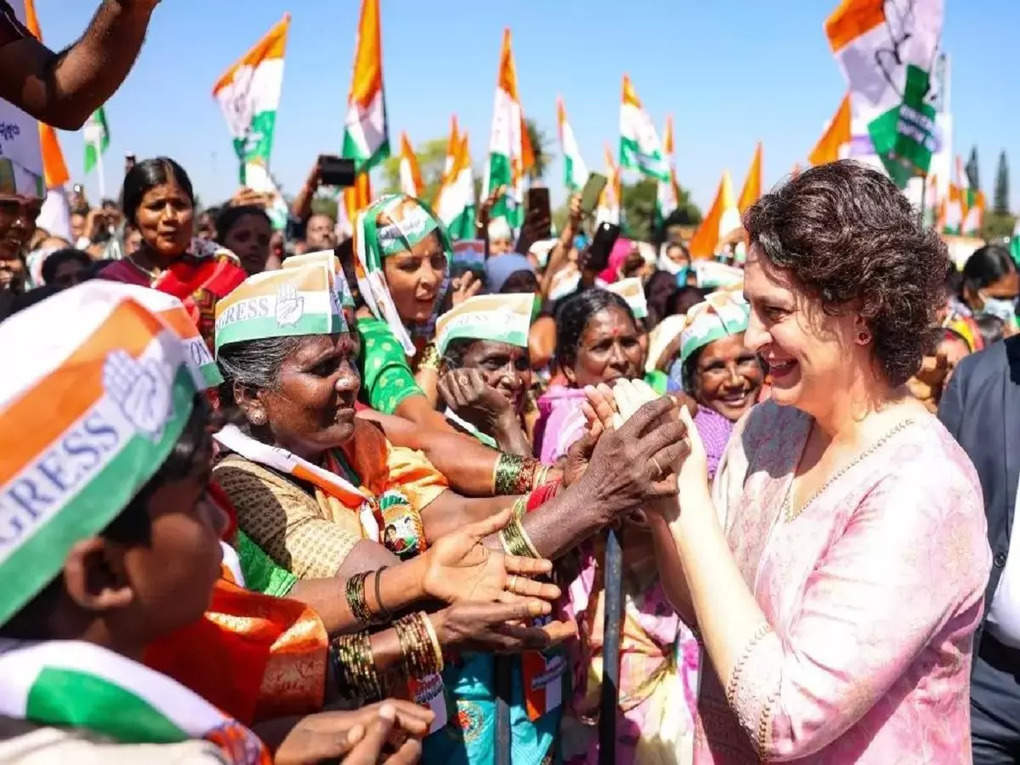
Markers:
97,138
249,95
366,132
575,171
640,148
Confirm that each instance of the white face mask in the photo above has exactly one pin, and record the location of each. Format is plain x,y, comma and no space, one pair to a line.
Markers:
1002,308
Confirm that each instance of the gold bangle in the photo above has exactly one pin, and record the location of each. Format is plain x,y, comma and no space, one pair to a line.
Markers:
541,476
516,541
354,667
731,687
355,592
434,639
519,507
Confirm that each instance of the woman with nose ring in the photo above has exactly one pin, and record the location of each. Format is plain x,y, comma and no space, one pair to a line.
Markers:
486,369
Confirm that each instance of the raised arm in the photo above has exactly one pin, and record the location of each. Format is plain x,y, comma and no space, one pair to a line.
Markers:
63,89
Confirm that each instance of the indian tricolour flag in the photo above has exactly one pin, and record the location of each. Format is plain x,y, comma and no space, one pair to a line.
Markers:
667,193
509,146
887,52
366,136
455,202
639,144
575,172
249,95
410,175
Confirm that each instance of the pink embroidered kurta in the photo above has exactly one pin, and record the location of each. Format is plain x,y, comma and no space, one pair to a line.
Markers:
873,593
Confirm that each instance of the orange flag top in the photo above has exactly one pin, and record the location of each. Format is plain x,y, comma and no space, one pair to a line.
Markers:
54,167
720,220
410,174
367,80
835,140
751,191
507,81
272,45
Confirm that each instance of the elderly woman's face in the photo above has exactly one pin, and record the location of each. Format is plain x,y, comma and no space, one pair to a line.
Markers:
505,367
809,353
609,349
166,219
728,377
311,409
414,278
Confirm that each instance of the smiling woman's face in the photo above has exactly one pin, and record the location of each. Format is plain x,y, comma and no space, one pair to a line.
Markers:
311,409
414,277
728,377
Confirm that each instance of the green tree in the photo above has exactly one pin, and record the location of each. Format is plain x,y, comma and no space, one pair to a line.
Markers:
1001,206
973,177
639,210
431,158
540,148
997,226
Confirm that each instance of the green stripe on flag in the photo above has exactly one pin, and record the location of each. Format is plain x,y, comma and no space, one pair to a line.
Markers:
97,137
34,564
463,226
81,700
258,144
363,163
499,172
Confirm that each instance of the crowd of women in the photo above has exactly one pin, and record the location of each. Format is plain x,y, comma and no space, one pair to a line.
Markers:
259,506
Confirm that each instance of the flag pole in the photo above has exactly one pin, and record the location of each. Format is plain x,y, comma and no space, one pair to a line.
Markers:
924,192
102,177
613,589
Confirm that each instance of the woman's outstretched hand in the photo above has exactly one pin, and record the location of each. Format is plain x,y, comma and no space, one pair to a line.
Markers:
497,628
461,569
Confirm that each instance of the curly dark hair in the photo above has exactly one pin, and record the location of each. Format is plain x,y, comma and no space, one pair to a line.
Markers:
847,235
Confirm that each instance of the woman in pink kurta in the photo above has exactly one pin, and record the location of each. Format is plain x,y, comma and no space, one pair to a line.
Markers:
873,594
836,571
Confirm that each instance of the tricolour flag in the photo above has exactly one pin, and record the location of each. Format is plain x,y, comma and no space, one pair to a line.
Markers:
835,141
639,144
722,219
887,59
455,202
452,146
249,95
410,175
575,172
97,138
667,193
366,134
751,191
608,209
510,154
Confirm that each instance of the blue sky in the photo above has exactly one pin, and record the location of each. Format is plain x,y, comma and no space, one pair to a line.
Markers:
730,72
